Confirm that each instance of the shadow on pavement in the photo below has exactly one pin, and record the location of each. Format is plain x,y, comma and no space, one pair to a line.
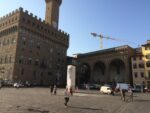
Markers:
37,110
140,100
86,108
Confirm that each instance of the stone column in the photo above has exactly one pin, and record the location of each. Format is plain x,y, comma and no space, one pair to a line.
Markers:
91,71
128,75
107,72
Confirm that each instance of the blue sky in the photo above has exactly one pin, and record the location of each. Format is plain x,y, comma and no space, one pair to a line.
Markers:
124,19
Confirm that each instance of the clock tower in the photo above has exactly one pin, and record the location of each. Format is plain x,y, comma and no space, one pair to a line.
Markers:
52,12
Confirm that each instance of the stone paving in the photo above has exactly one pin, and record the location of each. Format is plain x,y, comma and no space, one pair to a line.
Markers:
39,100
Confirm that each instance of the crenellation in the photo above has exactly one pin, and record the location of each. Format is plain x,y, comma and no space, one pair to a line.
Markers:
64,33
44,22
4,17
26,12
59,30
31,14
17,10
10,14
35,17
40,19
46,25
7,15
13,12
20,9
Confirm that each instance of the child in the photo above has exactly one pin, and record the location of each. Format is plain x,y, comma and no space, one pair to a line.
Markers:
71,91
66,97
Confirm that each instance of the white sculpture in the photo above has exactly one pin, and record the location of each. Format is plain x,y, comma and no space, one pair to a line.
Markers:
71,70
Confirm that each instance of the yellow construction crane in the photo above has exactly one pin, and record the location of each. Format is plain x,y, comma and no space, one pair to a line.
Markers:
107,37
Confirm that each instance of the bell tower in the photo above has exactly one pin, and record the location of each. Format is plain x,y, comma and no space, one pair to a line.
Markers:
52,12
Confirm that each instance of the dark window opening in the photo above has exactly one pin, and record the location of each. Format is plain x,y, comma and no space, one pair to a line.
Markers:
135,74
22,71
141,65
134,66
148,64
142,75
36,62
20,61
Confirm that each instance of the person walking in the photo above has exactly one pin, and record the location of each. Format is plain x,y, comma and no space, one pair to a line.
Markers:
123,95
66,97
51,88
55,89
130,94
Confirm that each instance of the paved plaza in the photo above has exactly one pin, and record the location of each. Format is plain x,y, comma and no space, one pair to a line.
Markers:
39,100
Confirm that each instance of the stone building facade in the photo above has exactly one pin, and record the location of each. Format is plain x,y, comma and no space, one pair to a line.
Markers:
146,57
32,49
105,66
138,69
141,66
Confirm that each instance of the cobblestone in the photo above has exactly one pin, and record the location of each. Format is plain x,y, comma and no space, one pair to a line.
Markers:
40,100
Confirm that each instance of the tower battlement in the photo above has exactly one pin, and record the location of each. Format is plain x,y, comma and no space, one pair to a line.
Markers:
33,18
11,14
58,1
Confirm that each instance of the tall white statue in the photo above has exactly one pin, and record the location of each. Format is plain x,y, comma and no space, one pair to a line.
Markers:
71,73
